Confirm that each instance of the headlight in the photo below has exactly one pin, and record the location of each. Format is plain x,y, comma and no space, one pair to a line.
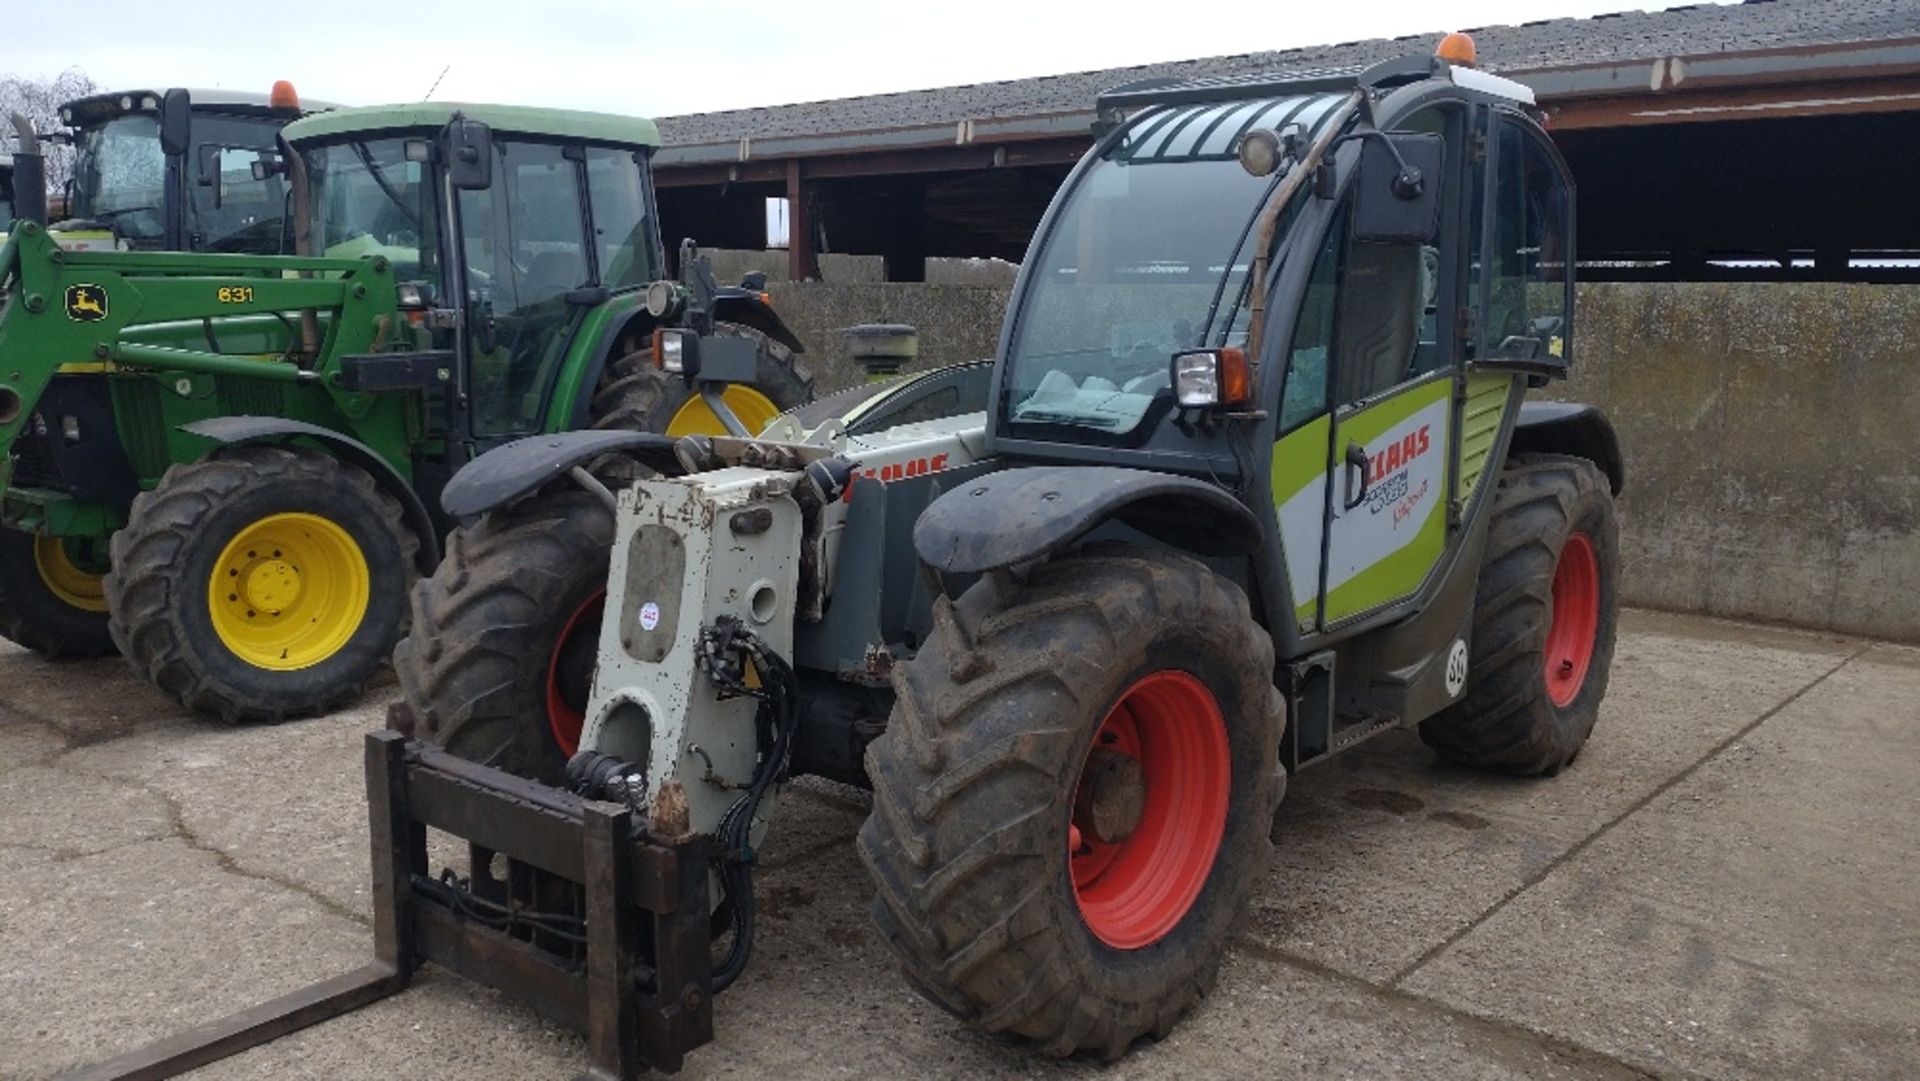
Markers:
663,300
412,295
675,350
1203,378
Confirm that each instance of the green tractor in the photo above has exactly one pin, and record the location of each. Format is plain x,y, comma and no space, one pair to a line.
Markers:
222,464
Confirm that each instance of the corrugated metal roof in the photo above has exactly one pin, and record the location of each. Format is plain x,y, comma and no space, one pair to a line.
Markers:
1634,35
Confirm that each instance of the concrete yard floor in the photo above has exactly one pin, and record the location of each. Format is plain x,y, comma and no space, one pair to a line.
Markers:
1722,885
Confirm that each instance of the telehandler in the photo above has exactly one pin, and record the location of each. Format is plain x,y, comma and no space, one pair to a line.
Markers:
223,464
1252,479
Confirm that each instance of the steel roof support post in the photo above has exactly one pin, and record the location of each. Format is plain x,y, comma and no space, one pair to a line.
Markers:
906,245
803,257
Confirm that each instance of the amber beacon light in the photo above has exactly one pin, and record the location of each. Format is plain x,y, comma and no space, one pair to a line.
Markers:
1456,48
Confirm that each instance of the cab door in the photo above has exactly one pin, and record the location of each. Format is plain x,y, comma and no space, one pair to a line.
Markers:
1366,420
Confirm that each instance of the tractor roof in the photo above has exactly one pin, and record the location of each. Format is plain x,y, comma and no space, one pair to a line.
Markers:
508,119
106,104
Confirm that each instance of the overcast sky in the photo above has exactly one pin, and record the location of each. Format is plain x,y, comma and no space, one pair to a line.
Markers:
662,59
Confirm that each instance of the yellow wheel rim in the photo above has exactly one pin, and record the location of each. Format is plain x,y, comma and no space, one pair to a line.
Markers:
65,578
288,592
754,410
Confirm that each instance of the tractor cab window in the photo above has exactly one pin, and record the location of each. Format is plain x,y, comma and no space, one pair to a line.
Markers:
231,211
1528,308
1361,322
120,179
526,249
622,228
371,198
1147,258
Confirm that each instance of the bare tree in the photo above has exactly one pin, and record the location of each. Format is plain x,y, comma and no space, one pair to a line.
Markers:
39,100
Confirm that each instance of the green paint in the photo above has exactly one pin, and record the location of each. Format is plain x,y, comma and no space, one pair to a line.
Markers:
1300,458
1487,396
503,119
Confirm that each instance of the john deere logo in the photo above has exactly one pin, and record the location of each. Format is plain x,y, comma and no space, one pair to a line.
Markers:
86,303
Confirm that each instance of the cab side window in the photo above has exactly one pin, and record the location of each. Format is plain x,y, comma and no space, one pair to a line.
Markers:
1529,304
1310,355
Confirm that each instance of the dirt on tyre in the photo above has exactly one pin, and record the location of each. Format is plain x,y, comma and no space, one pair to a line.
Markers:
500,658
51,597
636,396
1544,620
1073,796
261,583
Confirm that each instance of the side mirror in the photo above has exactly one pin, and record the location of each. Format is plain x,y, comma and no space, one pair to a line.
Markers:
1400,182
467,147
268,165
756,281
176,122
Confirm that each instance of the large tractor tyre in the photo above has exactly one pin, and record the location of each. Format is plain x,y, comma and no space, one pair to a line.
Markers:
1073,796
1543,622
51,599
261,583
636,396
500,660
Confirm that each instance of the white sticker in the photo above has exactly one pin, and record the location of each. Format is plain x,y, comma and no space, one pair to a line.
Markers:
650,616
1457,668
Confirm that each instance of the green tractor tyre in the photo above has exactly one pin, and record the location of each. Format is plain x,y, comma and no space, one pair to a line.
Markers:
52,600
261,583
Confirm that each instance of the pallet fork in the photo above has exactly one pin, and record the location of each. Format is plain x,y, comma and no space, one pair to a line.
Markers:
635,978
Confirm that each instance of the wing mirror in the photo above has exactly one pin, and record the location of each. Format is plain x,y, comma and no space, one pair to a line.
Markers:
467,148
1399,196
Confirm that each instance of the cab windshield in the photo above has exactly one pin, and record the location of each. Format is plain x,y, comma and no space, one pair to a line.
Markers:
1148,257
231,211
369,197
119,178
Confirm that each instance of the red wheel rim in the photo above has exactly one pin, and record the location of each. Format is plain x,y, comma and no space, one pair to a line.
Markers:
1576,619
565,719
1136,890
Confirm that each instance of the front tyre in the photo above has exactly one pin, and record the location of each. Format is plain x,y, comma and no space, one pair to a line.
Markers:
1544,619
1073,797
262,583
51,598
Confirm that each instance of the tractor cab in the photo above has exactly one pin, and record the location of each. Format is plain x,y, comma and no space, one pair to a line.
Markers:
178,170
1315,294
509,230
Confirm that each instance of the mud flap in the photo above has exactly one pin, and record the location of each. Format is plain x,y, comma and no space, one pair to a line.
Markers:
627,964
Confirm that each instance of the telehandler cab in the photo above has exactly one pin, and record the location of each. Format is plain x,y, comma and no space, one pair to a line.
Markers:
222,464
1252,480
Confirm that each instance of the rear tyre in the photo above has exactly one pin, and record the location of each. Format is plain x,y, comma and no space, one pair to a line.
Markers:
500,660
636,396
1073,797
262,583
51,598
1543,624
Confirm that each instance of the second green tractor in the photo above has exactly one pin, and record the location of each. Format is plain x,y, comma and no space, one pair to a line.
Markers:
227,466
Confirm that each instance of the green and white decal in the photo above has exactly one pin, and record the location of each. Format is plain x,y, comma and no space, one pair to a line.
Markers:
1382,546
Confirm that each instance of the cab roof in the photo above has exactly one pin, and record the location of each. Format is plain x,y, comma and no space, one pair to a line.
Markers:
503,119
95,107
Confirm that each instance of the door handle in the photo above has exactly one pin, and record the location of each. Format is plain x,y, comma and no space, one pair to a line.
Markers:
1357,459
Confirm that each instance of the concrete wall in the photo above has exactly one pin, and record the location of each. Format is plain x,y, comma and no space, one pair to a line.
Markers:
1771,432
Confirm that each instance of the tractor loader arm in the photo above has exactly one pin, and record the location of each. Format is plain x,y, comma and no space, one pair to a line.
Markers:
1018,515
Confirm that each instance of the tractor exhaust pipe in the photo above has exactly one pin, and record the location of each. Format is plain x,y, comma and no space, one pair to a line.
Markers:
29,174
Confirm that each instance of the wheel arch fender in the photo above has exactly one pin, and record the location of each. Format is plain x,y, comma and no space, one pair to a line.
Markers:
1021,514
635,318
1572,428
246,431
514,469
742,306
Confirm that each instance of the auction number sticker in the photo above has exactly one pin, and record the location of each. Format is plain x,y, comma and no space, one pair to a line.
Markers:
649,616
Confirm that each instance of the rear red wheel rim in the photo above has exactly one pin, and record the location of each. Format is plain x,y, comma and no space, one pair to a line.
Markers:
1576,619
564,718
1135,891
